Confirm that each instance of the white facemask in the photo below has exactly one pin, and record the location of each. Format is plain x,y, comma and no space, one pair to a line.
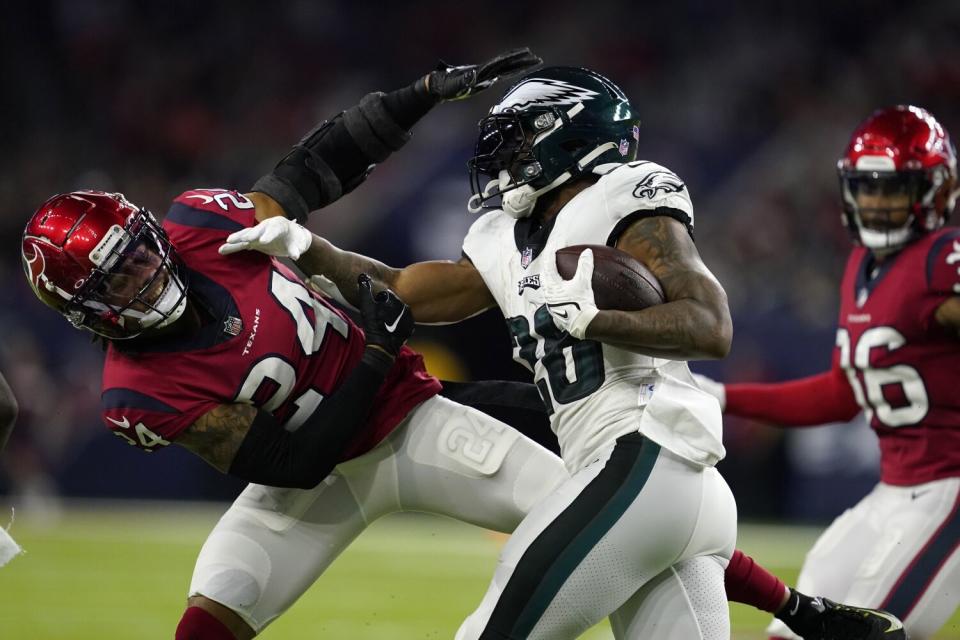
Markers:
519,202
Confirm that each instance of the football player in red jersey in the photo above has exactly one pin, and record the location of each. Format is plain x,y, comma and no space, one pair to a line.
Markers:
235,359
896,358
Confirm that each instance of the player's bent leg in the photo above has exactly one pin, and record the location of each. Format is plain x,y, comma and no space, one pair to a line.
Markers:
914,570
831,563
589,546
456,461
205,619
272,544
748,582
685,602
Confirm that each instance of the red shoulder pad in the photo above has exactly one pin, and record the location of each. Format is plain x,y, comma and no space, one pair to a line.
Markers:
216,200
943,264
216,209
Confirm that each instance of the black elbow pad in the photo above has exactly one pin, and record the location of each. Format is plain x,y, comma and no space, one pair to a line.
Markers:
373,129
301,182
334,158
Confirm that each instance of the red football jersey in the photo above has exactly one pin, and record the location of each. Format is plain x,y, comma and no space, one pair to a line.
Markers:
274,343
903,366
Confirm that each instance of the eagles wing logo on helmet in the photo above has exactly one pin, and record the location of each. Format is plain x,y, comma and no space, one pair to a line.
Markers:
658,181
543,92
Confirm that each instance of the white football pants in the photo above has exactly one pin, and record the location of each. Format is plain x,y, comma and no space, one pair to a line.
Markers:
640,535
444,458
898,549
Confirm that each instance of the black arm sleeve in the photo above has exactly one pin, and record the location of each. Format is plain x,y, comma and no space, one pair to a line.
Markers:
273,456
516,403
338,154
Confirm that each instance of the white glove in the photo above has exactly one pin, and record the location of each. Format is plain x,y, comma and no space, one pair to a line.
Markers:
275,236
571,302
714,388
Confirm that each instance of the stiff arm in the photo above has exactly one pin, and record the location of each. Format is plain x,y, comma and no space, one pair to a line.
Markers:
437,291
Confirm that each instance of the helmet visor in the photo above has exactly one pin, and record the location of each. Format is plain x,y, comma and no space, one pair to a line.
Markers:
501,139
137,280
884,200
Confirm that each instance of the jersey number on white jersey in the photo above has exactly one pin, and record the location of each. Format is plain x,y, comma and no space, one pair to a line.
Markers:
574,367
869,394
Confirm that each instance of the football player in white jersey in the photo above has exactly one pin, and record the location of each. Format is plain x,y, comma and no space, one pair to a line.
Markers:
644,526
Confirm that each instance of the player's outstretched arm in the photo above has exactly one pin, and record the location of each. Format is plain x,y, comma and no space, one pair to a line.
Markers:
438,291
695,321
251,444
8,412
819,399
334,157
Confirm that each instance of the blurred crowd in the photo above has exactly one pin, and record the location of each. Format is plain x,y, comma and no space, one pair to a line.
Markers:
751,105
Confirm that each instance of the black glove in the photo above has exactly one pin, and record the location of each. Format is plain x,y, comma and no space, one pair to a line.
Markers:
455,83
386,320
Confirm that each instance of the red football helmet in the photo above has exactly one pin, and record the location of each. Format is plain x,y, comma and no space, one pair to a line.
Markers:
900,154
104,263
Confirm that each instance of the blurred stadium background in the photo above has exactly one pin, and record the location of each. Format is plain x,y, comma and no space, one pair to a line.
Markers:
751,104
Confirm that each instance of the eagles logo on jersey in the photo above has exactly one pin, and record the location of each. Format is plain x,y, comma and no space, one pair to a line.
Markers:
655,181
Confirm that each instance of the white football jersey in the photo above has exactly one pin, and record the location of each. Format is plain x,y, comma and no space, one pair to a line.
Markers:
595,392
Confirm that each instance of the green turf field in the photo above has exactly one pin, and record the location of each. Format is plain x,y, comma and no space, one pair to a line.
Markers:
109,572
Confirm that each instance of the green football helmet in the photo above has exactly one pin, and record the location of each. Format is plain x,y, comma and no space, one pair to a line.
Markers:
552,125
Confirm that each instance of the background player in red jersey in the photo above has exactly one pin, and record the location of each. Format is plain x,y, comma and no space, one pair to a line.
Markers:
896,359
239,362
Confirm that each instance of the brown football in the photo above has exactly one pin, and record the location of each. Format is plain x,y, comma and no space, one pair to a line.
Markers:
620,281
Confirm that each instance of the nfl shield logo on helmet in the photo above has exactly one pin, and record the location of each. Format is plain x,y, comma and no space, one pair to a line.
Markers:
526,257
624,147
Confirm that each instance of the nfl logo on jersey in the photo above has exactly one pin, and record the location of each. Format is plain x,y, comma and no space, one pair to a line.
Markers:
526,257
232,326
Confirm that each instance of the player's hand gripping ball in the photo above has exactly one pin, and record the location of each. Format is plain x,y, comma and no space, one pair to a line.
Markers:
587,278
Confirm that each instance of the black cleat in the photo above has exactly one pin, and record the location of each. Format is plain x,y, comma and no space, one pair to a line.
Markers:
823,619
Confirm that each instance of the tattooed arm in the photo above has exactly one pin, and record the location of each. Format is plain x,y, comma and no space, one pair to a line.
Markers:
252,445
437,291
694,323
217,435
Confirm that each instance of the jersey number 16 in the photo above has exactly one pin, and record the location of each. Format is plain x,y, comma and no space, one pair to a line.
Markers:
868,383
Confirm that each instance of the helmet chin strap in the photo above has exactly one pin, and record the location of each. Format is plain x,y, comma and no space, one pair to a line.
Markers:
885,242
519,203
167,310
174,299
